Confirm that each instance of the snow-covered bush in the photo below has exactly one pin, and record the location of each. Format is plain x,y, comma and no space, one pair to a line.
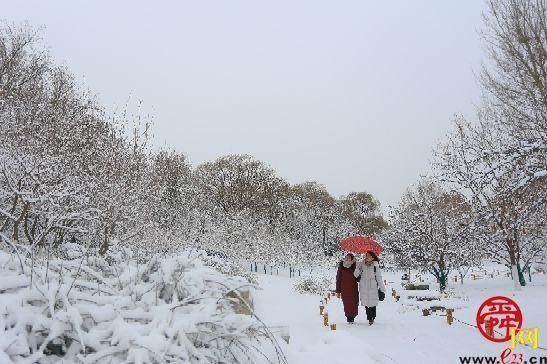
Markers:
315,284
227,267
115,309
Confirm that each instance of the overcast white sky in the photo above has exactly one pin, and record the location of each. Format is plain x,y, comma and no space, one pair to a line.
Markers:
354,94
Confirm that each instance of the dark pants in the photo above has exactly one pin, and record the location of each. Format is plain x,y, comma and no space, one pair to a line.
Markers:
350,319
371,312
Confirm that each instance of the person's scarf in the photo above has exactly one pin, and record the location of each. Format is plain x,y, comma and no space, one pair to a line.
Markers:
346,264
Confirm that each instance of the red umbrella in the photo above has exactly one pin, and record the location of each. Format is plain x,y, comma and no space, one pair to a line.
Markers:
360,244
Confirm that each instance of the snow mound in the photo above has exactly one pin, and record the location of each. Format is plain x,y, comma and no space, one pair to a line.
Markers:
314,284
118,309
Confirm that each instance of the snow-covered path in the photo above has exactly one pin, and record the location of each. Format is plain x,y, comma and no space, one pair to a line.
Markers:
400,334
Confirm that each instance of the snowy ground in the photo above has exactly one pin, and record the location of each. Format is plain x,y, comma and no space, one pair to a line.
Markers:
401,333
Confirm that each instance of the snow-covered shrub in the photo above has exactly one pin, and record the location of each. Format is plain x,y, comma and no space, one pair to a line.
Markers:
540,267
114,309
227,266
315,284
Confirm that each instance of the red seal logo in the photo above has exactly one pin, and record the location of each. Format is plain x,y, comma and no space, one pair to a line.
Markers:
496,316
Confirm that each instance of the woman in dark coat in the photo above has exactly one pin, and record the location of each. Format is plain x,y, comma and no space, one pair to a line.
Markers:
346,286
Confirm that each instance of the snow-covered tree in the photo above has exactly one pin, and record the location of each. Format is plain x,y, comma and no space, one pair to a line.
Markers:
363,210
499,199
500,160
515,83
68,153
430,230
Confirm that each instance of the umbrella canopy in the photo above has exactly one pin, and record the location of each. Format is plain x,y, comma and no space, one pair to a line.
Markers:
360,244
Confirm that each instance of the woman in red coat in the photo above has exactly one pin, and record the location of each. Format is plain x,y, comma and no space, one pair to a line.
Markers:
346,286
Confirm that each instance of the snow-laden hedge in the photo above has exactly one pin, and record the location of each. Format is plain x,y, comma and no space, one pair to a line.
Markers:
227,267
117,309
315,284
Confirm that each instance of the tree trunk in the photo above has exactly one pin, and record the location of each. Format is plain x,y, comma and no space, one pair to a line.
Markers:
442,280
443,274
441,277
104,246
513,260
515,276
522,281
324,239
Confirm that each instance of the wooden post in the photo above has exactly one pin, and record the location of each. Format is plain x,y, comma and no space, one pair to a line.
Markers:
455,279
449,317
321,308
326,319
333,327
